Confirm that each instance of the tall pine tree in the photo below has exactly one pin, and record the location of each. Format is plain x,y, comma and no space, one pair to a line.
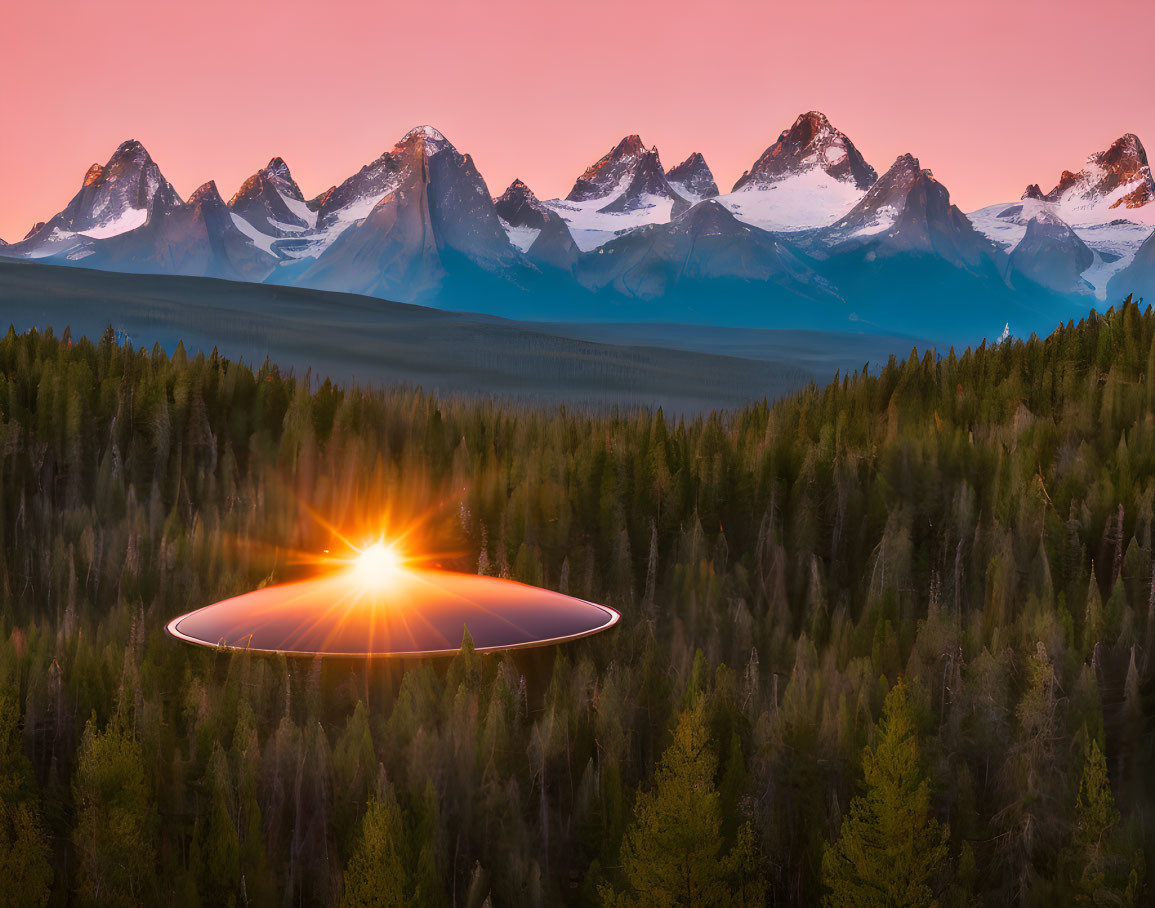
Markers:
891,850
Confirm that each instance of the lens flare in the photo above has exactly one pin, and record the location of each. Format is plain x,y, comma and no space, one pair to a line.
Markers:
377,566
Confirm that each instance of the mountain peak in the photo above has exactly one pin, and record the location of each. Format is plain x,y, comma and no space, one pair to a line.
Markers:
612,171
1127,145
519,207
811,143
277,168
206,194
424,132
807,126
129,150
908,210
646,183
885,203
114,198
1118,176
271,201
630,145
905,162
693,178
427,138
277,172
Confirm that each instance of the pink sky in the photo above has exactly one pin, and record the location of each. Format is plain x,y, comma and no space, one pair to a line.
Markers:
1009,93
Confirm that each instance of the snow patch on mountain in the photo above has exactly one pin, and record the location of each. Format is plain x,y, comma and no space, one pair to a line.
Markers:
802,201
300,209
521,237
591,226
261,240
129,219
884,219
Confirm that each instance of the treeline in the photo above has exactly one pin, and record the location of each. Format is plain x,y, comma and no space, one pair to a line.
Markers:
886,641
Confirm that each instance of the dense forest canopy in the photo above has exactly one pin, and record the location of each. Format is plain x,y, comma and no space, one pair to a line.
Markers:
886,641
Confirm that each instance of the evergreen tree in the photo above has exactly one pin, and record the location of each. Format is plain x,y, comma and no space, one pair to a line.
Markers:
25,868
670,855
1102,870
114,833
377,875
890,850
218,843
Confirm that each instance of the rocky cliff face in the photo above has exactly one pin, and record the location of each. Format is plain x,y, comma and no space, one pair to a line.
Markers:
519,207
693,179
271,202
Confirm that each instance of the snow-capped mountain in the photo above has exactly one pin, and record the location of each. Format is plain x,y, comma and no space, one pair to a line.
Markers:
199,238
269,205
1116,180
692,179
128,217
415,218
810,143
908,210
809,178
1109,205
634,241
113,199
907,258
624,189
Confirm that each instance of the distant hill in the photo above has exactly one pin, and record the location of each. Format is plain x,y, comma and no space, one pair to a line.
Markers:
344,336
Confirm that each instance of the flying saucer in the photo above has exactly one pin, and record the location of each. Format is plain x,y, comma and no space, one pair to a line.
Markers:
380,608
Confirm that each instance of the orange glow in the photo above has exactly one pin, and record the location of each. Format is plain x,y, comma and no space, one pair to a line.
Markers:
377,566
402,611
387,537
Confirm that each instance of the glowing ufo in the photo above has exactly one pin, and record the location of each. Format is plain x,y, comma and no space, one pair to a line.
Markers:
378,606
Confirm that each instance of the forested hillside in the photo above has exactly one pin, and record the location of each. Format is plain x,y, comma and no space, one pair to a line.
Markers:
888,639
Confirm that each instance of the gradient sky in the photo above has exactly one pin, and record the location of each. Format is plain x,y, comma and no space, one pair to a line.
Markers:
990,94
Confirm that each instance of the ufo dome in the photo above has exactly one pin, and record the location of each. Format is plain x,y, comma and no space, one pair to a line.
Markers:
406,612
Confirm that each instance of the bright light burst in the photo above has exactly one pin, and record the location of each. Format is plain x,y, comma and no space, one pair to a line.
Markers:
376,566
376,585
375,554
